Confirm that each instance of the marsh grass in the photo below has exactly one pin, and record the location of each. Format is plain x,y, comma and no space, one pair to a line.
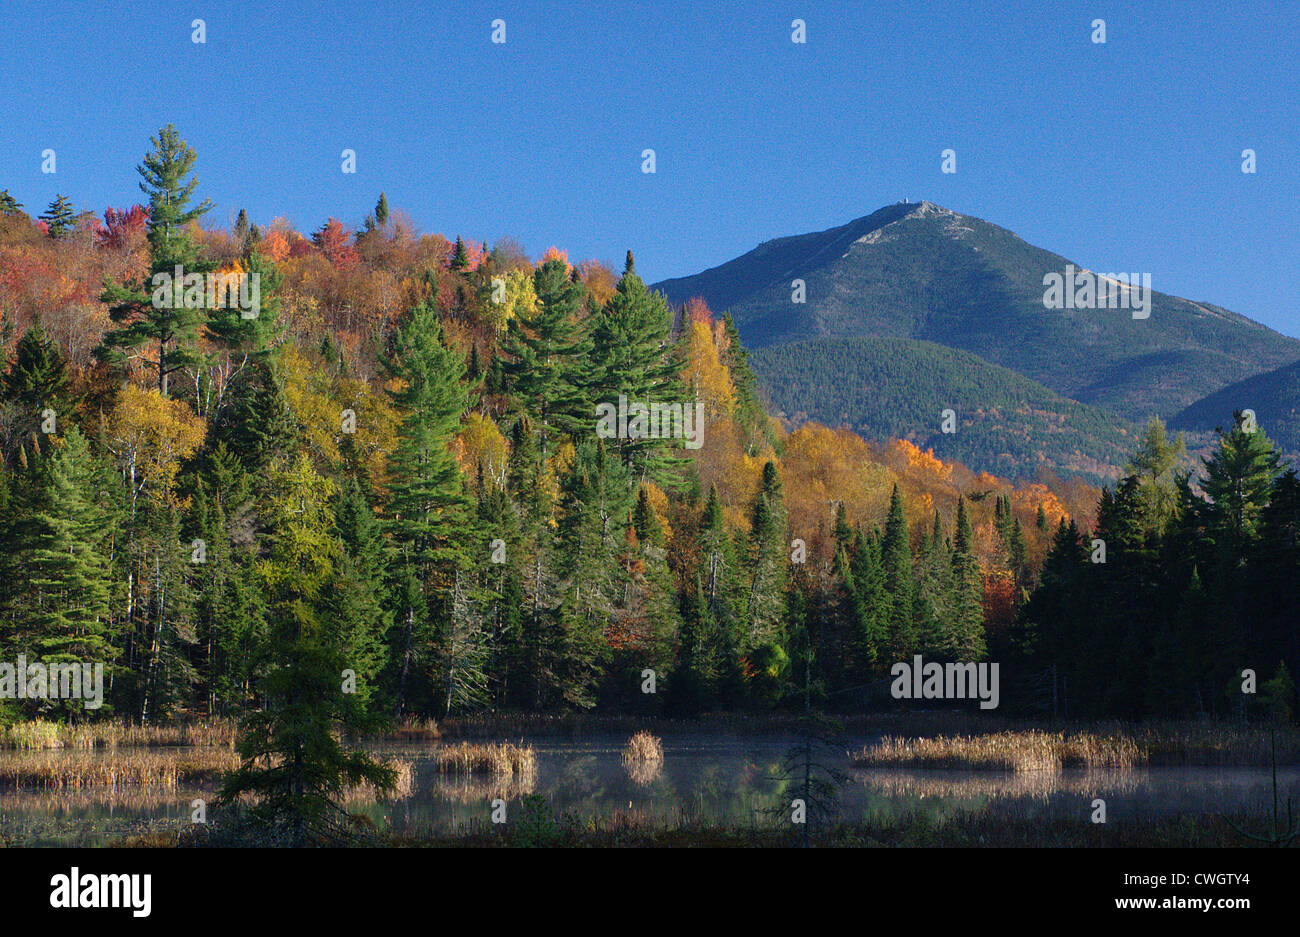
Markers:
500,760
43,735
1111,745
77,771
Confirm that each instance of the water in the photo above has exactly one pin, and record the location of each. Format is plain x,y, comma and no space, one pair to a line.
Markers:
714,779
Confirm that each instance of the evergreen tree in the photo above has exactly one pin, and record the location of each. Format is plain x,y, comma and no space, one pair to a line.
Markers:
545,359
765,565
59,218
8,205
292,760
900,585
165,313
963,638
36,380
429,508
632,358
57,572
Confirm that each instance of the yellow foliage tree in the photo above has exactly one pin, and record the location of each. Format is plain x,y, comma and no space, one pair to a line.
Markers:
149,437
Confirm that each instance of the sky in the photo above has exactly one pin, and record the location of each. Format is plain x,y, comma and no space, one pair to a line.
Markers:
1125,155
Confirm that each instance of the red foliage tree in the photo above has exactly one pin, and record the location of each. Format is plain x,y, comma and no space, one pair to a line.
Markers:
122,229
335,242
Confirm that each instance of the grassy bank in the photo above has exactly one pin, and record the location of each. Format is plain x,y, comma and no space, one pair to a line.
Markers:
1115,746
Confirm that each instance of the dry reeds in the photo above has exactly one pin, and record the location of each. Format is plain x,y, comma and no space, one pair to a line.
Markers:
66,771
42,735
501,760
1004,751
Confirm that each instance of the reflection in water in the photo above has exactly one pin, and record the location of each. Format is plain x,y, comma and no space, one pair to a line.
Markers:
716,780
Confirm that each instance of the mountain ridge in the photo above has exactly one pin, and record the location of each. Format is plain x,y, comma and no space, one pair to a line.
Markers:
922,272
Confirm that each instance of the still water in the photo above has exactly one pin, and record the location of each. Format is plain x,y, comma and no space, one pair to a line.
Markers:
727,780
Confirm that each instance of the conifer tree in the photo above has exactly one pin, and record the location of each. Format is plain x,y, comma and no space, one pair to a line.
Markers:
164,313
429,509
900,585
59,218
632,358
765,565
963,638
292,760
57,569
545,359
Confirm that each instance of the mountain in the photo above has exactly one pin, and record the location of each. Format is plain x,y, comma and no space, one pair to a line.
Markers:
922,272
899,387
1274,396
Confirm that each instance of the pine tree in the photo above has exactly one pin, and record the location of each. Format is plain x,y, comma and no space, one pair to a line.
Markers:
59,218
594,503
241,230
900,585
765,565
722,598
632,358
381,210
56,566
460,259
1238,479
8,205
429,508
546,359
292,760
358,598
37,379
167,313
963,637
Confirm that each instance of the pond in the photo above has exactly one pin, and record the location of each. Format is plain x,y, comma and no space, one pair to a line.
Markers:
719,780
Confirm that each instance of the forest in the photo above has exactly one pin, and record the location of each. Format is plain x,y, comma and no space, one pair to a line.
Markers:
385,491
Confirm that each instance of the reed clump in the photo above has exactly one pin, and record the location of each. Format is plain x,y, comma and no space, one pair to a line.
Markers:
643,748
158,770
44,735
1032,750
501,760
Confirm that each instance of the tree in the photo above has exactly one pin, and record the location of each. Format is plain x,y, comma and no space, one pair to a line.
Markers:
765,561
335,242
8,205
1238,479
291,759
57,571
545,358
167,316
1153,464
36,380
429,515
381,210
59,218
900,585
632,358
963,637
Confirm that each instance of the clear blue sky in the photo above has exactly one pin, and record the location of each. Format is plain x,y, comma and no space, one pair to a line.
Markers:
1123,156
